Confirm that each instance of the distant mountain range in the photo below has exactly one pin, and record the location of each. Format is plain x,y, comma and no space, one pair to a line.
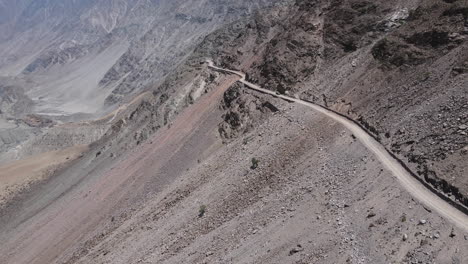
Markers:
87,56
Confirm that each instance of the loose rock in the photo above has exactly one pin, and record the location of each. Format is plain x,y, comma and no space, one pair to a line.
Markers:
296,250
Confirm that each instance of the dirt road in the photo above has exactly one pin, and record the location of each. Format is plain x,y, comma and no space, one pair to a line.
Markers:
412,185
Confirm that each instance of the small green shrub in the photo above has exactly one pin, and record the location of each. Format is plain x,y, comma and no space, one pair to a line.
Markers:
202,211
254,164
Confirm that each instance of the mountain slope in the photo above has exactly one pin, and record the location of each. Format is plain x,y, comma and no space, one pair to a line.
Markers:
77,55
198,169
80,60
391,66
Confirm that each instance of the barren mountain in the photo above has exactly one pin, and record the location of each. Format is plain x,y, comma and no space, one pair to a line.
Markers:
391,66
73,60
77,55
194,132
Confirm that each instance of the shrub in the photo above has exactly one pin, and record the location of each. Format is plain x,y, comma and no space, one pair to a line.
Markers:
254,164
201,211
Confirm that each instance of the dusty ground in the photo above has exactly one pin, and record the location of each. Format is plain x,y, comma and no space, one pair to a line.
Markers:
20,175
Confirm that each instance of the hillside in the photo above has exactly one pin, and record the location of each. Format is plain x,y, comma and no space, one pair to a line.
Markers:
390,66
85,56
193,164
80,60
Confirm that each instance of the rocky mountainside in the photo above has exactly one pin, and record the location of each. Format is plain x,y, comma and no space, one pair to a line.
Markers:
399,68
79,56
76,60
199,169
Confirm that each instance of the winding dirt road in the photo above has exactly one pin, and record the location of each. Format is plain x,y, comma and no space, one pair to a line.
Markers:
412,185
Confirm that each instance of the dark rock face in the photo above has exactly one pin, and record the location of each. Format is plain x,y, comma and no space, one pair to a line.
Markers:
242,112
430,38
393,52
348,24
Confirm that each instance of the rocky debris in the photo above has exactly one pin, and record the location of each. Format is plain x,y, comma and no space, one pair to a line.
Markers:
418,256
371,215
437,138
37,121
244,110
389,65
452,233
414,46
295,250
394,20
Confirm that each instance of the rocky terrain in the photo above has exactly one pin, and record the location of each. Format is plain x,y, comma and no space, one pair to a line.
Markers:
187,165
382,63
80,60
85,56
